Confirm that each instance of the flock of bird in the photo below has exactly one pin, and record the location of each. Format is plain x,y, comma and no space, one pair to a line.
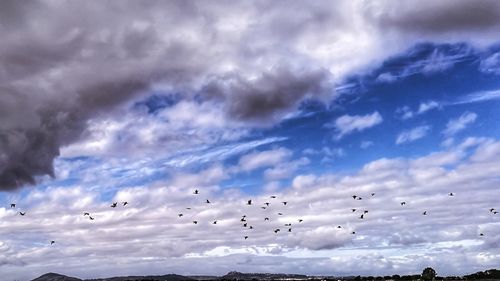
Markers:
244,219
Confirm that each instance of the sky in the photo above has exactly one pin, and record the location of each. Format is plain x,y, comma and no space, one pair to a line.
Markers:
314,103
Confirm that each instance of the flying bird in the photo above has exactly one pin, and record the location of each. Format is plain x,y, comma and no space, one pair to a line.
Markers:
451,194
188,208
365,211
403,203
215,222
353,210
266,219
22,214
289,230
495,212
195,222
288,224
208,202
491,210
284,203
373,194
362,216
354,232
245,224
263,207
91,218
249,202
52,242
267,203
359,198
251,227
424,213
196,191
114,205
481,234
246,237
180,215
86,214
276,230
354,197
338,226
280,214
125,203
273,196
300,220
12,205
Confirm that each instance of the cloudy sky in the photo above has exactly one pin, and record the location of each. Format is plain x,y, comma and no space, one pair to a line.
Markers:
146,101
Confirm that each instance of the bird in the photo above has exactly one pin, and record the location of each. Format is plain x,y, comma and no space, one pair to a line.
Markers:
288,224
491,210
208,202
273,196
338,226
263,208
280,214
276,230
267,203
125,203
362,216
284,203
251,227
245,224
354,232
114,205
195,222
86,214
215,222
196,191
243,219
246,237
289,230
359,198
353,210
52,242
300,220
12,205
451,194
91,218
188,208
354,197
373,194
495,212
424,213
180,215
403,203
22,214
481,234
249,202
266,219
365,211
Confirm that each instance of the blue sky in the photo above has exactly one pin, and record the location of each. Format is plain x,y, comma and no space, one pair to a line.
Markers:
391,102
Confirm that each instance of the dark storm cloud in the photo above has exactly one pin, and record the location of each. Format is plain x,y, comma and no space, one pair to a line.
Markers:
441,16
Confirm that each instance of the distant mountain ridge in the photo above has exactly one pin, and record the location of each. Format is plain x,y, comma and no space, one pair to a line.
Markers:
492,274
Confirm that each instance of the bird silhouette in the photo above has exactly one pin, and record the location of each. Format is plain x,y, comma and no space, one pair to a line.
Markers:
215,222
289,230
246,237
188,208
373,194
481,234
451,194
196,191
22,214
12,205
353,210
266,219
195,222
249,202
365,211
424,213
300,220
208,202
492,209
263,207
288,224
362,216
354,197
245,224
114,205
338,226
403,203
125,203
91,218
354,232
52,242
359,198
273,196
251,227
284,203
180,215
276,230
267,203
243,219
280,214
495,212
86,214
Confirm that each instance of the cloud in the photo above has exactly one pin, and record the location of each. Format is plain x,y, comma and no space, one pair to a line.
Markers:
147,234
426,106
255,160
366,144
413,134
456,125
348,124
491,64
61,73
479,97
405,112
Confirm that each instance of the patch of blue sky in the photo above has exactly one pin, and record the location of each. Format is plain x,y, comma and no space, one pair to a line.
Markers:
157,101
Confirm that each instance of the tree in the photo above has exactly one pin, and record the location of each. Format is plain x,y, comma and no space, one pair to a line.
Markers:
428,274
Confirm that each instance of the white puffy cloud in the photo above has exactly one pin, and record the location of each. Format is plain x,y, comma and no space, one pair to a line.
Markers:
413,134
456,125
347,124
